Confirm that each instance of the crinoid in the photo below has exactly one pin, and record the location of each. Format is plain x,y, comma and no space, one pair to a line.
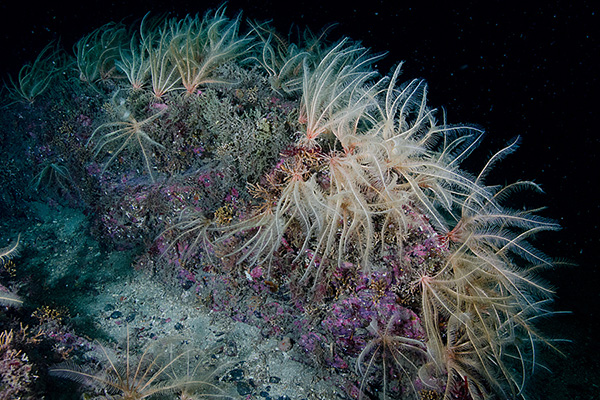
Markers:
334,90
97,51
54,176
265,228
134,62
201,376
198,46
163,71
127,134
131,379
284,61
498,237
371,152
158,370
35,78
6,254
8,298
483,361
10,251
461,372
197,229
423,153
281,60
488,297
391,356
333,98
368,154
489,342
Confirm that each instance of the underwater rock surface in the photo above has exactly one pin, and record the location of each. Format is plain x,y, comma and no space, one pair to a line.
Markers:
296,221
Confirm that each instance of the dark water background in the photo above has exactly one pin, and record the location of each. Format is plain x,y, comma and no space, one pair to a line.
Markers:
514,69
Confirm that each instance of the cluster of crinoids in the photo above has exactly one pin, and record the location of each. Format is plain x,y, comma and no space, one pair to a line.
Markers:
370,164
